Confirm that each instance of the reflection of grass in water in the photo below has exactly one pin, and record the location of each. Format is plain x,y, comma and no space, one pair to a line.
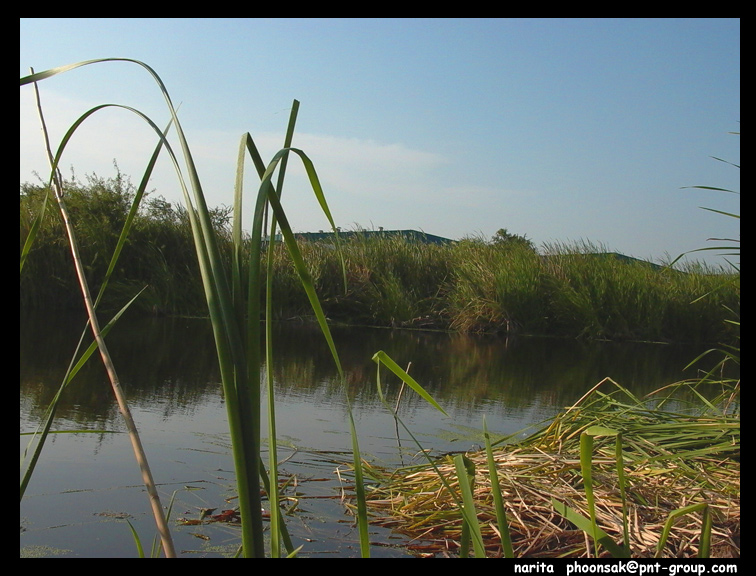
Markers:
42,551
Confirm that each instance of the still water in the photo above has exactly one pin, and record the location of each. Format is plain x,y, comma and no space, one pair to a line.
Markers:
87,484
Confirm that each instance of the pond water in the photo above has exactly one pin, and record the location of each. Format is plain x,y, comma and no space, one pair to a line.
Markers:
87,484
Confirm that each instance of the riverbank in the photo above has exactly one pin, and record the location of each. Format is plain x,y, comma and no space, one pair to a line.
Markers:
578,290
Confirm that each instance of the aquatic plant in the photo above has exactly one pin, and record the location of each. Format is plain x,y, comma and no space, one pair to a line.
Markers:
234,312
640,487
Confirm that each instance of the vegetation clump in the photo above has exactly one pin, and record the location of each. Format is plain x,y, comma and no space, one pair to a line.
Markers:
498,285
672,459
159,252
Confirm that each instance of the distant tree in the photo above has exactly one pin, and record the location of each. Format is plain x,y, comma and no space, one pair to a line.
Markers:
504,237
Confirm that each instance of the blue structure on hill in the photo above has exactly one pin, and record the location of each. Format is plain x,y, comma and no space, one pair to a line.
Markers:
410,235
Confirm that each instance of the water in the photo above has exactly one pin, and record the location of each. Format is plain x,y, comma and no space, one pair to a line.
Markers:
87,484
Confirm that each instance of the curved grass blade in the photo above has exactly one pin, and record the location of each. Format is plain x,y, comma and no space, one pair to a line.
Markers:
359,487
381,357
586,526
675,514
137,540
466,474
501,514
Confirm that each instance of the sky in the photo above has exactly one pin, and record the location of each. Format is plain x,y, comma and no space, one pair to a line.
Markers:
565,131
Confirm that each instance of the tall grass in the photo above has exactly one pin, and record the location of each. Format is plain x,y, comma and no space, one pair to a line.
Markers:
570,290
56,184
233,302
576,290
497,288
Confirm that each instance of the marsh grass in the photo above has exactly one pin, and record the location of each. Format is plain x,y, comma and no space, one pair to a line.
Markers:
573,290
671,461
233,304
497,288
595,293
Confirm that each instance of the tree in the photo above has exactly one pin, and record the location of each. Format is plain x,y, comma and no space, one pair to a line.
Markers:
504,237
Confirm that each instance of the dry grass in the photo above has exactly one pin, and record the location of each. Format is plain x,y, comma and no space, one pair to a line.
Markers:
659,479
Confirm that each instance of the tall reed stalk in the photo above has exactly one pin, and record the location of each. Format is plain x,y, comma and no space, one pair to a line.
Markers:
235,309
139,453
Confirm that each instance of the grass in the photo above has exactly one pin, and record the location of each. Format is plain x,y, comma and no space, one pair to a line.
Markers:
670,462
233,301
576,290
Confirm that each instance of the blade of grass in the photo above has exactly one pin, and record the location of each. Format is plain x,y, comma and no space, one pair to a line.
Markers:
359,486
466,475
137,540
586,465
675,514
586,449
623,492
110,368
501,514
273,496
586,526
381,357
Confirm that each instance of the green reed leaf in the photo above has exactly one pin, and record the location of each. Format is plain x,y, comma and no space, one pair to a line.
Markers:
381,357
466,475
501,514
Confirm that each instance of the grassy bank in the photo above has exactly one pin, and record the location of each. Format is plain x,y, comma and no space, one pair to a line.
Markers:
569,290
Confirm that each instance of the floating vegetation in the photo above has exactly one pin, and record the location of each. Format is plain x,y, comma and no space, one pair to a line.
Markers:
670,462
42,551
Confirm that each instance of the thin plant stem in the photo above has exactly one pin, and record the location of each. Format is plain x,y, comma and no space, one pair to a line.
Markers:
123,407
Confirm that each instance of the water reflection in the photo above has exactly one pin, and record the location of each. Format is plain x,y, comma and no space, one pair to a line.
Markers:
168,369
170,365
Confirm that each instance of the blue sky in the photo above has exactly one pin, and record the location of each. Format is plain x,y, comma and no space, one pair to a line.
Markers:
563,130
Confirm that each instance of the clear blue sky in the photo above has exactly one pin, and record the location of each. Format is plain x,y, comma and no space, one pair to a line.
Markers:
558,129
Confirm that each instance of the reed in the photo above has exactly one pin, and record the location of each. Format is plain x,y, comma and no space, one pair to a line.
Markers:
233,302
575,290
667,459
93,322
594,293
497,288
